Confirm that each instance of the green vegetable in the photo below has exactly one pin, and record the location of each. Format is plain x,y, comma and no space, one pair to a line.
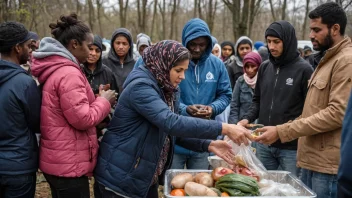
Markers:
217,191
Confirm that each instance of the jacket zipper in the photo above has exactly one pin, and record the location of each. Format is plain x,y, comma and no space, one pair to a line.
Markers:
197,78
272,99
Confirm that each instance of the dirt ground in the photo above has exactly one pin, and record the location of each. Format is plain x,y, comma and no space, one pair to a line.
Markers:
43,189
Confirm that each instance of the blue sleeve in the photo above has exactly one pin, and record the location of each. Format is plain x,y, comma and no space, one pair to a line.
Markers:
138,62
235,104
344,175
223,92
183,109
148,103
194,144
32,103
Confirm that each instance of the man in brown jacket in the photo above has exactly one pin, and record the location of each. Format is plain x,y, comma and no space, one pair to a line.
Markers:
319,126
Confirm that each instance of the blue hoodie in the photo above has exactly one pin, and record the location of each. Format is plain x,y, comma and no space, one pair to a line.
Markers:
207,82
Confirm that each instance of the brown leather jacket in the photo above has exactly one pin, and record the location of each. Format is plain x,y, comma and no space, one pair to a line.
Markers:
319,126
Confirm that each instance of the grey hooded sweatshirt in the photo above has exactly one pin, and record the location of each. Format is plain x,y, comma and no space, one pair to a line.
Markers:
112,60
235,67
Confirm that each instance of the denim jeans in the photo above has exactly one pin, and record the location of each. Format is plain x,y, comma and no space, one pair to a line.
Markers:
277,159
68,187
18,186
325,185
193,160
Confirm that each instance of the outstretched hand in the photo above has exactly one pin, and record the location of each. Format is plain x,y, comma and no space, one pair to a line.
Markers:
222,149
237,133
269,135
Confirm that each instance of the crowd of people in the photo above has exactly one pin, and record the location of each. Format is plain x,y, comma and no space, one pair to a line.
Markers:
125,118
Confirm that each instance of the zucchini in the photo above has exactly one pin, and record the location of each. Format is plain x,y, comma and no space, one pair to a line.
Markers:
239,186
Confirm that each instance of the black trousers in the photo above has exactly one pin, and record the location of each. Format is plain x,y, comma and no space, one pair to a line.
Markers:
68,187
152,193
18,186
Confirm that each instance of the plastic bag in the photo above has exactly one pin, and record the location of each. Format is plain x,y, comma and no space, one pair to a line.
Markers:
271,188
246,159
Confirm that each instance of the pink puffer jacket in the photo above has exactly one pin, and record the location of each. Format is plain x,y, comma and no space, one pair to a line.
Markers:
69,114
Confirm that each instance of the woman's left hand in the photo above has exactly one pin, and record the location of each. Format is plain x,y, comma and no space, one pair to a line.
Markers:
222,149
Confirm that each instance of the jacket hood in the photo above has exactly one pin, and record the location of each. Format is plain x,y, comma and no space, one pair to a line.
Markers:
112,54
286,32
143,39
99,43
49,46
196,28
258,44
237,56
9,70
51,56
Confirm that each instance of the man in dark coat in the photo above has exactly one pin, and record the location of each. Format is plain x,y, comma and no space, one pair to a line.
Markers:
20,102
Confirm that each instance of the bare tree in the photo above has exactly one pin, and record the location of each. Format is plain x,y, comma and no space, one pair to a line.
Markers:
99,9
254,9
155,11
173,16
91,17
142,13
283,10
162,9
210,15
123,12
272,10
305,19
239,16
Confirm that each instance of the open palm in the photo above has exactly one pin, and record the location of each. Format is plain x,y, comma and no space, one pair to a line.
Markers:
223,150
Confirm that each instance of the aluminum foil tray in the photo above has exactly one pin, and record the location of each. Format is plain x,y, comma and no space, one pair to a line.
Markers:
277,176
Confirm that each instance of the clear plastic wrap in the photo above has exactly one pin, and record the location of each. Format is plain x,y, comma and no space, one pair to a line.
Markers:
244,157
271,188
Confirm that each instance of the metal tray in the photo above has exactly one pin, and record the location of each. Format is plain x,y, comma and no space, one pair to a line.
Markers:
277,176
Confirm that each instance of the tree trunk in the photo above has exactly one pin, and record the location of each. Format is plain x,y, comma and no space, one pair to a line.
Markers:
99,7
211,14
195,8
153,20
253,11
163,20
123,12
305,20
91,17
200,9
243,25
283,11
173,15
272,10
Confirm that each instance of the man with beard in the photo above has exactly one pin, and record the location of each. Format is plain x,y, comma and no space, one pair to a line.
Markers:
279,94
20,114
318,129
206,90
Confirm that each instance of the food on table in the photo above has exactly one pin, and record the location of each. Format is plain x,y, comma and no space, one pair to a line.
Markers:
180,180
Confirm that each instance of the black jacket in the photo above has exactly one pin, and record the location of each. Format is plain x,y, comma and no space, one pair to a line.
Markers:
102,75
112,60
281,86
20,102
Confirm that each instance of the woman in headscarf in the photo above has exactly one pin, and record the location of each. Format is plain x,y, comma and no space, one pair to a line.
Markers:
138,146
244,87
216,50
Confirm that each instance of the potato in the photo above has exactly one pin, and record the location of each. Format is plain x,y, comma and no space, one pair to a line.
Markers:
180,180
205,179
195,189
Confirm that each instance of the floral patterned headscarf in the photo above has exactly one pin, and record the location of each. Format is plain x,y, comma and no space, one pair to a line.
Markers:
159,59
